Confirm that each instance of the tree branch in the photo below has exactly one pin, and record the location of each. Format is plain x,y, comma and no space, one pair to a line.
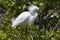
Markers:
50,13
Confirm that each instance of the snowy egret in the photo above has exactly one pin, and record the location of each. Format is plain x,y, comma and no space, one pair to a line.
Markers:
27,17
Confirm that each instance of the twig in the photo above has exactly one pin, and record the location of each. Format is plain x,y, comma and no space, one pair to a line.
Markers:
56,26
54,29
31,37
50,13
2,9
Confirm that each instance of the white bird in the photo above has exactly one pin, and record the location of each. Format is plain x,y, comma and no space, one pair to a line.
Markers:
27,17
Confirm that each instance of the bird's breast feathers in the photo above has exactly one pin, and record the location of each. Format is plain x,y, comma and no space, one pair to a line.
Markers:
32,18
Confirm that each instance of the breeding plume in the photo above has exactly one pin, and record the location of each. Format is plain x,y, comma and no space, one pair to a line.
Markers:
26,18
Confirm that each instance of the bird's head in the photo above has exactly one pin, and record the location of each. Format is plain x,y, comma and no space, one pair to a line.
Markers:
33,8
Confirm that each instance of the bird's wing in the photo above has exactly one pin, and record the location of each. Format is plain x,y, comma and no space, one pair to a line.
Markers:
20,19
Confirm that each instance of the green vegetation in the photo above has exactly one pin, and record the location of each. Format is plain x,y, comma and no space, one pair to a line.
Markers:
45,27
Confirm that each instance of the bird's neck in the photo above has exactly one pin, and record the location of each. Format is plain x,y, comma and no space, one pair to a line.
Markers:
33,12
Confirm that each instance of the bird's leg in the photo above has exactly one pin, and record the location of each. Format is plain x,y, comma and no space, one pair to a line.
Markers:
26,32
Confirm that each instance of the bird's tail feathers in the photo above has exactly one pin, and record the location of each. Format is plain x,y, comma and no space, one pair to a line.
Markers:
13,19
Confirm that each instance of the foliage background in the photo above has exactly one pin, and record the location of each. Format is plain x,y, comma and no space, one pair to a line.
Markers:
43,29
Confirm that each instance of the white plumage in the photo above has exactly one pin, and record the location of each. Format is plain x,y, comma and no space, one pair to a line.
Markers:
27,17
